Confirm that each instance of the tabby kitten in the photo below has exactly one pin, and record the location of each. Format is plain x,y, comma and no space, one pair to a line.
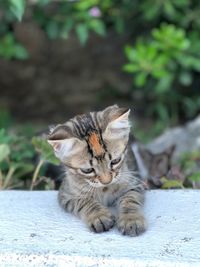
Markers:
153,167
100,171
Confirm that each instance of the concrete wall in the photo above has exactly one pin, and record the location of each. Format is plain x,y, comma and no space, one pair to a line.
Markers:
35,231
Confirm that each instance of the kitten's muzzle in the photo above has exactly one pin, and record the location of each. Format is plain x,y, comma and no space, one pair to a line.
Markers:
105,179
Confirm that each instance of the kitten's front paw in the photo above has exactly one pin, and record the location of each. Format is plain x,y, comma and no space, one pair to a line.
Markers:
101,221
131,224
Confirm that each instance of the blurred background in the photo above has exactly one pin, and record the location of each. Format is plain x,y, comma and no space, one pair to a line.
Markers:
61,58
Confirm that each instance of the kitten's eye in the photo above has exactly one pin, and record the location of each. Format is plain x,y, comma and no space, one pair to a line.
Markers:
115,161
87,171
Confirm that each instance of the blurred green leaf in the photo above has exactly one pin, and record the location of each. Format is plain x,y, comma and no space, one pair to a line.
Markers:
20,52
4,137
195,177
85,4
119,24
140,79
45,150
82,32
52,29
5,118
23,169
164,84
168,184
17,7
130,53
4,151
98,26
9,48
66,28
43,2
131,68
185,78
162,111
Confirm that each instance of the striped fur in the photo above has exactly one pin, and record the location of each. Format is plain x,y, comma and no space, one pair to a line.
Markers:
101,171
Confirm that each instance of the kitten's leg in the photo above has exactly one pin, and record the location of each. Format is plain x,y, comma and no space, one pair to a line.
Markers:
97,217
131,220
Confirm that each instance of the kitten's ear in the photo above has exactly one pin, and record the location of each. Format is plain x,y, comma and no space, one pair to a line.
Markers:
118,125
161,164
170,150
146,155
63,144
110,109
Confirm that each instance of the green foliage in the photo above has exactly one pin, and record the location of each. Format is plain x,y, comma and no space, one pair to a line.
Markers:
17,7
11,11
22,164
163,55
195,177
10,48
169,9
46,154
168,184
4,151
189,164
140,131
183,174
164,61
5,118
16,160
18,165
45,150
189,158
82,17
82,32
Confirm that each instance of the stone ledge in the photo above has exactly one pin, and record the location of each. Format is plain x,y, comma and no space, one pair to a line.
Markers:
35,231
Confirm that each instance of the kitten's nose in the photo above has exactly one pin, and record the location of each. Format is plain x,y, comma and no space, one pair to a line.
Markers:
105,179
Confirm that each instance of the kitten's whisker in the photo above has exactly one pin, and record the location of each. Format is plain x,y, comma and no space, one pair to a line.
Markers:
129,172
139,181
130,179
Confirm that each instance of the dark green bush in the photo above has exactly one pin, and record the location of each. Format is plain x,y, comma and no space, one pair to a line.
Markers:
163,53
163,66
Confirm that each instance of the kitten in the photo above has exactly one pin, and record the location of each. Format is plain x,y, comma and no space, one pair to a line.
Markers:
101,171
153,166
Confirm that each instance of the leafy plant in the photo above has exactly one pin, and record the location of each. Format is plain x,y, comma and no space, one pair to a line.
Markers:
10,48
45,150
16,155
11,11
17,7
164,58
186,174
22,162
46,154
82,17
168,184
164,62
5,118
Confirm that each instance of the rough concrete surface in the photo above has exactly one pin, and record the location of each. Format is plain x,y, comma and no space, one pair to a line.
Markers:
35,231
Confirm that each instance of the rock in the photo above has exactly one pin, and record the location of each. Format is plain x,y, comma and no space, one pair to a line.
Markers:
186,139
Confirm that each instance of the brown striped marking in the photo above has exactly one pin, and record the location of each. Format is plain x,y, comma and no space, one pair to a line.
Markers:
95,145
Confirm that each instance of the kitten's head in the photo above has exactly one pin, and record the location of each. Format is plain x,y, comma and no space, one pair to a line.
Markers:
93,145
158,165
